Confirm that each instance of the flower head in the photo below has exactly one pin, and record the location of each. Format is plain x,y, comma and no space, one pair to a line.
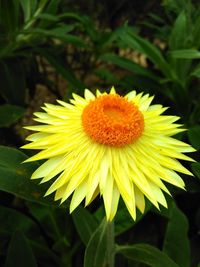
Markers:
108,145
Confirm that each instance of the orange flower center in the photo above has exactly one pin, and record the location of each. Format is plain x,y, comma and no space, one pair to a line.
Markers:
112,120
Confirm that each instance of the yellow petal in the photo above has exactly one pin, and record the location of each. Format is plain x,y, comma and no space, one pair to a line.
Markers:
114,204
47,167
89,95
112,90
78,196
108,195
139,199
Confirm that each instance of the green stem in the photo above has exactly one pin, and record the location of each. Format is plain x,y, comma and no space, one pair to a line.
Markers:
110,245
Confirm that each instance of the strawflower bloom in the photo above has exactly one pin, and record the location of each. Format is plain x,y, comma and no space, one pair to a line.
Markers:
108,145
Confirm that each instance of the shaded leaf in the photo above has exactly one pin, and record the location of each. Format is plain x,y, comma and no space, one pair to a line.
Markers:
185,53
196,31
14,220
128,37
179,33
95,253
12,87
10,114
196,169
15,176
194,136
176,242
128,65
123,220
147,254
86,22
44,254
20,252
46,16
52,6
61,245
65,72
28,7
85,223
8,10
196,71
60,33
107,75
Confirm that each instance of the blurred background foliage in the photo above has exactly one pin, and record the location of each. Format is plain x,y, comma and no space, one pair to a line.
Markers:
51,48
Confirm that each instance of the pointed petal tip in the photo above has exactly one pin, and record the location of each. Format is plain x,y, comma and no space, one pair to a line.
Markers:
74,95
59,101
40,182
87,90
33,177
87,202
62,201
71,209
27,160
27,127
57,200
28,146
192,149
112,90
47,104
23,147
48,193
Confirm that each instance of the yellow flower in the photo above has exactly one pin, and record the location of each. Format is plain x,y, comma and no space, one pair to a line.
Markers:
108,145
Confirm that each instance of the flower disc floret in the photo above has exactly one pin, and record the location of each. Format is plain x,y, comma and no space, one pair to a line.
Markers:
112,120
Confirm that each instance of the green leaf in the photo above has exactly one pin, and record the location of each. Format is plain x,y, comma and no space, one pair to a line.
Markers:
128,37
86,22
8,10
20,252
85,223
50,9
45,16
95,253
10,114
52,6
12,80
185,54
28,7
62,30
60,33
196,169
107,75
123,221
147,254
61,245
176,242
55,32
64,71
15,176
196,71
157,18
176,5
196,31
14,220
44,254
128,65
179,32
194,136
72,15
